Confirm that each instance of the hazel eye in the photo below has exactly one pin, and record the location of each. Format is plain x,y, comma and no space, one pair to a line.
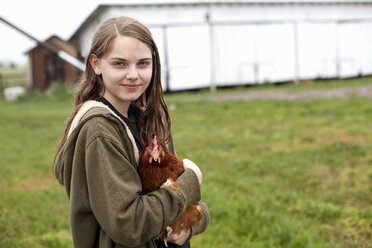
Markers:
119,63
144,63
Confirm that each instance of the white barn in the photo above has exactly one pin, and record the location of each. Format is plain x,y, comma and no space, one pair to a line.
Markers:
225,43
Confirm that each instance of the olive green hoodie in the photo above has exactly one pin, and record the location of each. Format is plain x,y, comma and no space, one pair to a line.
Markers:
98,167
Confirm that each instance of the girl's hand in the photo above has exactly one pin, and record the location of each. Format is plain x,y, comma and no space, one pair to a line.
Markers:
179,239
189,164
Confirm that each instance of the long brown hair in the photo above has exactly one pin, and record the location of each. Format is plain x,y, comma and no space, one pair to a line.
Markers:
154,118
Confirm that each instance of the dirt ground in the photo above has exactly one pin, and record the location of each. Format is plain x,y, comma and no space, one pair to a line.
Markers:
344,92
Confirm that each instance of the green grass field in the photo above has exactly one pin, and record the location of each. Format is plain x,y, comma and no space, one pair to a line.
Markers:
276,173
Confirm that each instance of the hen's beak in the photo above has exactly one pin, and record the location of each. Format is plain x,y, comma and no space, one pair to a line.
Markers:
155,156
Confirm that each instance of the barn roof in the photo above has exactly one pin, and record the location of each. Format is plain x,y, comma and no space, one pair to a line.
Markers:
175,3
52,37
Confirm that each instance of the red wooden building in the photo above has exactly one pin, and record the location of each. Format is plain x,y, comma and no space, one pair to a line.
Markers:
46,67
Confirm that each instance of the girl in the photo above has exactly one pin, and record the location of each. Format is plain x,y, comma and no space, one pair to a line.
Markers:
119,106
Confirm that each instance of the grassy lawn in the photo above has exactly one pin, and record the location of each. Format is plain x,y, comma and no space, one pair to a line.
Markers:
304,85
276,173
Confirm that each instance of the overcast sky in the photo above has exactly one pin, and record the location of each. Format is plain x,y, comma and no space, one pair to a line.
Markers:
41,18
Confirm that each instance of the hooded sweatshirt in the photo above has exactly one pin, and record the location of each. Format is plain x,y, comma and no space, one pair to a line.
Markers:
98,168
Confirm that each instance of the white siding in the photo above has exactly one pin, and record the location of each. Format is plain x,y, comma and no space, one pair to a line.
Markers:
351,37
317,50
366,60
189,57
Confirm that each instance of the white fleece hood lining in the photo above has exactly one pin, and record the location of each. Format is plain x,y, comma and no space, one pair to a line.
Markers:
95,104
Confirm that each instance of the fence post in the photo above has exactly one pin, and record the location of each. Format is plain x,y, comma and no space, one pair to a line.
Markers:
296,53
212,86
1,84
338,57
166,58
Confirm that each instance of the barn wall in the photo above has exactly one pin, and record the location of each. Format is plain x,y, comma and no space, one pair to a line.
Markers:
249,44
46,67
71,74
30,73
85,38
249,54
38,64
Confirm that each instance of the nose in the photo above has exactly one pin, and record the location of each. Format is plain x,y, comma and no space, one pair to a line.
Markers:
132,73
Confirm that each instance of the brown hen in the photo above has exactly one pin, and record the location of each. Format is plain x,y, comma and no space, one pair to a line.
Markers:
158,167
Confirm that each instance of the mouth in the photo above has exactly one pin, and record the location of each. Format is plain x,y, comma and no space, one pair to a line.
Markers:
131,86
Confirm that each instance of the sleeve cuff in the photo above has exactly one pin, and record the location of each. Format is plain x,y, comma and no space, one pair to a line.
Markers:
189,185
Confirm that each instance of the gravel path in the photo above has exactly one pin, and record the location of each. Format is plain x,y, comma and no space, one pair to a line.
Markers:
344,92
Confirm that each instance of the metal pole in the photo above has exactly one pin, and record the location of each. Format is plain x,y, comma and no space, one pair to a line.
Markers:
213,87
338,59
296,52
256,64
2,87
166,58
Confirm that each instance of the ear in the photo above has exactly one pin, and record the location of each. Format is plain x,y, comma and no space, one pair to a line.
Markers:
95,63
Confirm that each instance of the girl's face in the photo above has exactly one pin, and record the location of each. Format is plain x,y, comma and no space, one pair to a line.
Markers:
126,71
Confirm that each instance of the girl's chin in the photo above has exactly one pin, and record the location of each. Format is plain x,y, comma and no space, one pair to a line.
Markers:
130,97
